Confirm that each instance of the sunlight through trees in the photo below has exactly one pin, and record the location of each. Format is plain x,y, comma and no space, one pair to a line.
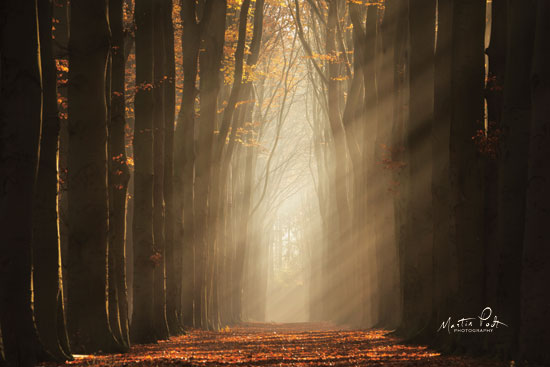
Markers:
364,172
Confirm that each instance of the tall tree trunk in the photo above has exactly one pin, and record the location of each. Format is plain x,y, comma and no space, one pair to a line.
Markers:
173,252
465,162
242,234
418,252
353,120
319,270
369,196
385,236
119,173
513,166
112,299
398,151
20,127
534,338
161,326
184,162
444,249
344,223
142,329
213,30
87,166
61,46
494,97
48,293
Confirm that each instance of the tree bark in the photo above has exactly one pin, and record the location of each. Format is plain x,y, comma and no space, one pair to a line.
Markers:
513,167
353,119
398,153
20,127
159,304
494,97
467,186
48,293
61,54
87,166
333,91
119,173
418,251
173,252
184,158
212,30
533,338
384,220
444,248
142,327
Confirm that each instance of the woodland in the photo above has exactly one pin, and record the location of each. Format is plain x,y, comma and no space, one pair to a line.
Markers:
261,182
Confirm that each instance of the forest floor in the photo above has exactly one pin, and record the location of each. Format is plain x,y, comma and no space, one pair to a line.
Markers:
307,344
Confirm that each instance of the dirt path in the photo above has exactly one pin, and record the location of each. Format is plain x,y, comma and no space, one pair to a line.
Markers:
280,345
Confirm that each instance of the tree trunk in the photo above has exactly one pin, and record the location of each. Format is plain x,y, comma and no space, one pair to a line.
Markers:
173,252
372,174
210,60
87,166
344,223
353,120
385,236
533,337
242,234
398,152
61,54
418,252
184,158
142,329
465,162
161,326
20,125
494,97
513,167
119,173
46,246
444,249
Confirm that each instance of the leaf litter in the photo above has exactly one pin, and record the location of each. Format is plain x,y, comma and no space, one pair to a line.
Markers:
297,344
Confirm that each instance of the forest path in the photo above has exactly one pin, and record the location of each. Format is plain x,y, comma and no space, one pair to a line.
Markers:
300,344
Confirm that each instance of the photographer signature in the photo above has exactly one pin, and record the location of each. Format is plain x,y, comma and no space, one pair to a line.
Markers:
470,324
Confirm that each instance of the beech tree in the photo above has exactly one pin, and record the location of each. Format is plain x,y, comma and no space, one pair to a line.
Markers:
48,294
535,254
513,164
88,321
417,258
184,162
159,304
173,250
119,175
213,31
444,248
465,164
20,126
142,327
